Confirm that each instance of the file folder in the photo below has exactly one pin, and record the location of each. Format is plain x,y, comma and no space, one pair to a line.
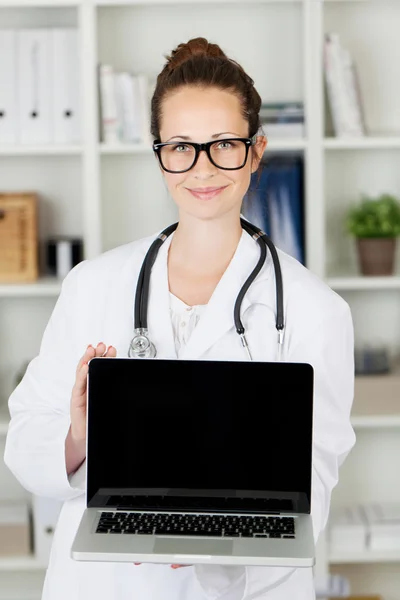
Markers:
34,86
66,86
8,86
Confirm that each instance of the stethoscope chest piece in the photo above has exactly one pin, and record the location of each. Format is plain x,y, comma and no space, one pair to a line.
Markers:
141,346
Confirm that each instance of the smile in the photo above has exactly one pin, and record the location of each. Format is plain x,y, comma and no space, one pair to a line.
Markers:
206,193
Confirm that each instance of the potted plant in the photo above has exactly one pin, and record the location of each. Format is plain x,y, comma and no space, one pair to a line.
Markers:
375,223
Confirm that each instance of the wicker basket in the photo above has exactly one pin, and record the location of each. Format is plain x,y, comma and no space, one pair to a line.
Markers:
18,238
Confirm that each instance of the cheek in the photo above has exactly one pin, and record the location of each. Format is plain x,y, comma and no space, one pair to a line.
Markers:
173,181
242,179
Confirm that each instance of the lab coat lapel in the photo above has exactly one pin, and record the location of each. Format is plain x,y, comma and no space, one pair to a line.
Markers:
218,318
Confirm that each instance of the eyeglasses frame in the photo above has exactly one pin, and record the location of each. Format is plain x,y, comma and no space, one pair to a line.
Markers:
157,146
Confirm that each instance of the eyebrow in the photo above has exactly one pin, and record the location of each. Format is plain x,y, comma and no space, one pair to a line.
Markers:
214,136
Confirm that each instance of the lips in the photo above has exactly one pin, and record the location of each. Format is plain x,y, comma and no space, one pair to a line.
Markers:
206,193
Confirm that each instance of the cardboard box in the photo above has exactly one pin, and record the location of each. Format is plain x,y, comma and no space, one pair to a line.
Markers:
15,531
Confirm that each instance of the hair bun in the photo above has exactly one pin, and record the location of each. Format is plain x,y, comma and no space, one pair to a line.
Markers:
194,47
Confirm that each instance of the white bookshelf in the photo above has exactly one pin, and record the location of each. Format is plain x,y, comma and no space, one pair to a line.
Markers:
112,194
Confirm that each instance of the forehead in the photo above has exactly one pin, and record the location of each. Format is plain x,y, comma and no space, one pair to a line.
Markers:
199,113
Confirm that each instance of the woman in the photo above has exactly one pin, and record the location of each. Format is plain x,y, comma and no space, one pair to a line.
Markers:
201,96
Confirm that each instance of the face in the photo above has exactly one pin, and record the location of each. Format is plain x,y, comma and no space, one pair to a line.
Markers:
195,115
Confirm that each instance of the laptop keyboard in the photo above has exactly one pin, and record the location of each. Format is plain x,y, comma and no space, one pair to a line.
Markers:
196,525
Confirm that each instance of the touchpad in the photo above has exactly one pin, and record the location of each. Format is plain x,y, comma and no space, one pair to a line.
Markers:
192,546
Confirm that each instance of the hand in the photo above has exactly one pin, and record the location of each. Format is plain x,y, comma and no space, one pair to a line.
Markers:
78,398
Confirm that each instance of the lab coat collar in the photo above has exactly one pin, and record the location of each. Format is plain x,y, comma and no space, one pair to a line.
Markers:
218,318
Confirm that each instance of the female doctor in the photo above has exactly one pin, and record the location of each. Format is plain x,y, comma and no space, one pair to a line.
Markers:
201,97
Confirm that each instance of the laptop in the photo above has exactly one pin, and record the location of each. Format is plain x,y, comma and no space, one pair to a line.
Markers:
198,462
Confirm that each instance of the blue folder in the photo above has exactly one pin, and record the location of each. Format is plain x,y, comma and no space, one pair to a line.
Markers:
275,203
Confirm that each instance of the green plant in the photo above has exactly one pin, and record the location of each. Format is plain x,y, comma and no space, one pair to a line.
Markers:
374,217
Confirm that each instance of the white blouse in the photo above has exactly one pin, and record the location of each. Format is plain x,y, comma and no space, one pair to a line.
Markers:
184,319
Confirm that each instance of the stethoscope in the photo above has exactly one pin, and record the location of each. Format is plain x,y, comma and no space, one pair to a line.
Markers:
142,347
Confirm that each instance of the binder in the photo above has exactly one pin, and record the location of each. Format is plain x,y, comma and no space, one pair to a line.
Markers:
66,86
110,124
34,86
8,87
127,94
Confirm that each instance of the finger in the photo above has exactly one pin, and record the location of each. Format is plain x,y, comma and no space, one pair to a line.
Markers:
80,381
111,352
89,353
100,349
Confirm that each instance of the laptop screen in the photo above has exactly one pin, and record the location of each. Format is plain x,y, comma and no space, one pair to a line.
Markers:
174,433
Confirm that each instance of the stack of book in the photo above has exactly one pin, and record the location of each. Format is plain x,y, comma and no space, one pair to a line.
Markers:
343,90
124,106
283,119
372,527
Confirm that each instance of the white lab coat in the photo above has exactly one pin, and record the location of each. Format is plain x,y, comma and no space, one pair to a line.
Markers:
96,304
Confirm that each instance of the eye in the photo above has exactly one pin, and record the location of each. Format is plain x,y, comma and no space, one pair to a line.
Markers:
181,148
224,145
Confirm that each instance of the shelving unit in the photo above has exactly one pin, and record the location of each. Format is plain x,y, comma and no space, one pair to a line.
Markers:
112,194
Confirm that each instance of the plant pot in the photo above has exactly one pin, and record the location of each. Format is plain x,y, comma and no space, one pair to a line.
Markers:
376,255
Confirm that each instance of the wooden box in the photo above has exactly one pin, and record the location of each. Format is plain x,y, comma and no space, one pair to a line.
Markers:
18,238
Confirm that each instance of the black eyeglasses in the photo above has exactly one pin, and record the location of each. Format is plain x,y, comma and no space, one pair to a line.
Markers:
229,154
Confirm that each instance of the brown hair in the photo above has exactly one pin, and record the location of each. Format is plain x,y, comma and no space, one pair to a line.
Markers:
199,63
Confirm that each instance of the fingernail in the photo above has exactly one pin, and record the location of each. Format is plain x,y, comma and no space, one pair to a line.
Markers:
90,346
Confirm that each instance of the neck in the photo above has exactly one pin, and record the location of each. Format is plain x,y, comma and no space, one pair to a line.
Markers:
205,245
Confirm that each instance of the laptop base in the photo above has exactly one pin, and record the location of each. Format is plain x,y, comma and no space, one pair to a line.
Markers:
91,546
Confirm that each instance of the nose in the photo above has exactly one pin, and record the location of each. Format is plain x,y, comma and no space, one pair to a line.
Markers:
204,169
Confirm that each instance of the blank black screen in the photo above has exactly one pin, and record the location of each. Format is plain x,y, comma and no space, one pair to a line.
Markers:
199,425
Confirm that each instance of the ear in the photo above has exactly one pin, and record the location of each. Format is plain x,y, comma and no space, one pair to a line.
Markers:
258,151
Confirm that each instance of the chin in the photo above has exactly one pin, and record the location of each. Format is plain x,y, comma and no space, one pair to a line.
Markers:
207,212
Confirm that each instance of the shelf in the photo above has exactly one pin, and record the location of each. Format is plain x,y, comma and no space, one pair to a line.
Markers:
286,144
125,149
195,2
275,144
38,3
45,286
359,282
40,150
362,143
21,563
364,557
